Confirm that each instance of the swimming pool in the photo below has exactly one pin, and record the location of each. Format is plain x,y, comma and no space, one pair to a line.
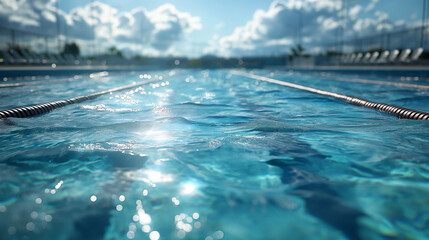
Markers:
214,155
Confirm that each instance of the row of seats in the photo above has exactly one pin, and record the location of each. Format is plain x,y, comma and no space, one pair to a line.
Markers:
24,57
385,57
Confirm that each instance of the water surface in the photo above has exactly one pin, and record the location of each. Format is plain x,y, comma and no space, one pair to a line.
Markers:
211,155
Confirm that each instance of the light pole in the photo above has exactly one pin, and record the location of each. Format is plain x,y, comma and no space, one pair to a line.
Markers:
299,30
422,34
58,26
295,33
343,26
94,41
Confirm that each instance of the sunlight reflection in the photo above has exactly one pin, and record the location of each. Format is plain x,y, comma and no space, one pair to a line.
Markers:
158,136
148,76
149,176
218,234
59,185
188,188
131,231
154,235
197,225
175,201
146,228
48,218
145,192
54,190
30,226
130,234
184,223
142,216
34,214
144,219
119,207
156,176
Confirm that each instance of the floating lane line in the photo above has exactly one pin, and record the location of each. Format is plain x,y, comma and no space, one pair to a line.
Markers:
400,112
92,76
8,85
406,85
24,112
359,80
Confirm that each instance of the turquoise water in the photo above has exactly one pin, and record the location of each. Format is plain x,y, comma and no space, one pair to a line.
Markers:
211,155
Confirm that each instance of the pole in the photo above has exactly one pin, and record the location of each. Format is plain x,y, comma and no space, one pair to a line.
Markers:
46,44
299,28
422,34
58,27
343,9
298,32
94,41
388,41
13,38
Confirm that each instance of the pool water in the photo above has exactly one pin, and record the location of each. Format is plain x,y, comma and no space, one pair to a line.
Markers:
213,155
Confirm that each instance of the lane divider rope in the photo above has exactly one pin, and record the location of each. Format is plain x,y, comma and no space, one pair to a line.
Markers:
377,82
20,84
405,85
9,85
400,112
24,112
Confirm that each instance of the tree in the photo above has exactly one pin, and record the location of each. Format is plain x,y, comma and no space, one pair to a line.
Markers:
114,51
71,48
297,51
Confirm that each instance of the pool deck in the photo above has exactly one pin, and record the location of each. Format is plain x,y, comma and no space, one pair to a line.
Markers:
393,70
120,67
25,71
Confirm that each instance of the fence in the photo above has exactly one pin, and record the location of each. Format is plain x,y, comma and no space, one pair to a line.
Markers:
408,38
43,43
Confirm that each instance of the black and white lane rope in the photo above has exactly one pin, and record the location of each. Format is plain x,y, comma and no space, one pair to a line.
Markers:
400,112
24,112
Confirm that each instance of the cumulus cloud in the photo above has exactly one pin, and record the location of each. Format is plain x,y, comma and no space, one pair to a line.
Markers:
169,25
158,29
354,11
371,5
269,32
28,15
313,23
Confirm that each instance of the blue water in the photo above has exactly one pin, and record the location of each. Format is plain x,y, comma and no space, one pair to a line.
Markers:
211,155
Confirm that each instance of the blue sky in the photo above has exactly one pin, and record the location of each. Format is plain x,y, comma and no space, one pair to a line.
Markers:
223,27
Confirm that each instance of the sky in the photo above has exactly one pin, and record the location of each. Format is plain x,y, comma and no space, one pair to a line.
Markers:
227,28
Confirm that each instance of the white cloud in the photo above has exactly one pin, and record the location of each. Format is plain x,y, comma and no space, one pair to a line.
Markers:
7,6
317,22
354,11
275,30
371,5
158,29
37,16
170,25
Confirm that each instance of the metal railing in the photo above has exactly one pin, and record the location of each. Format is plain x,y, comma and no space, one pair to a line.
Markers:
409,38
